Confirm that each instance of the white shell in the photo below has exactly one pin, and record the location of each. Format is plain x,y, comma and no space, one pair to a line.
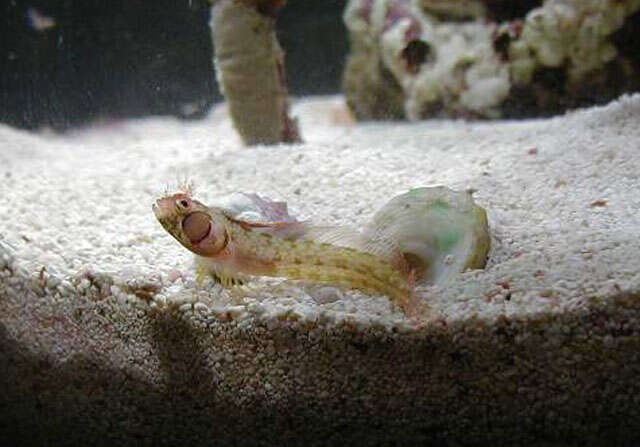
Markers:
440,231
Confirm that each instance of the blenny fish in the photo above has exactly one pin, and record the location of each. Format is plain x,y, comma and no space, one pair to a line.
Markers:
392,253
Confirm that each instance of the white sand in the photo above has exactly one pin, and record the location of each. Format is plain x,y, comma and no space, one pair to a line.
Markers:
561,196
81,202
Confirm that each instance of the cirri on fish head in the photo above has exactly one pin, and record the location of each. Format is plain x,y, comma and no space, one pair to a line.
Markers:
190,222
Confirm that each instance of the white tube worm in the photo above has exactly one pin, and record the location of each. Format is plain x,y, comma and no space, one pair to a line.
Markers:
250,69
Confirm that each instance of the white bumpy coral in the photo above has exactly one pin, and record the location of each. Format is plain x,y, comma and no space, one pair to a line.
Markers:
446,58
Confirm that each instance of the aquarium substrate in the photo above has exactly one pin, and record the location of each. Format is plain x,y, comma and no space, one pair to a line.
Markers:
104,334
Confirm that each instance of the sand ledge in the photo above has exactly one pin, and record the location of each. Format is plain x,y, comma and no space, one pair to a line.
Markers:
541,344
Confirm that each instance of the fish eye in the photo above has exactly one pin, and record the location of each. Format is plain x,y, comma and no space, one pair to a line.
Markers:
183,203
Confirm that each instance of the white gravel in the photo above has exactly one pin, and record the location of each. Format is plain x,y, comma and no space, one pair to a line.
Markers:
561,195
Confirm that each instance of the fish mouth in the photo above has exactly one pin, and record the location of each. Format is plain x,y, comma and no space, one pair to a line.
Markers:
163,215
158,209
162,209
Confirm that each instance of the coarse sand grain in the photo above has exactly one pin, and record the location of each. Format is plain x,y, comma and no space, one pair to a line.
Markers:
104,333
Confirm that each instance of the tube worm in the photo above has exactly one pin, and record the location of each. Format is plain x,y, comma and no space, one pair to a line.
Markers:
250,69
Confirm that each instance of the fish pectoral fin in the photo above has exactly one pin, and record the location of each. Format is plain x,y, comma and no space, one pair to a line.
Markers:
226,281
218,276
201,275
342,236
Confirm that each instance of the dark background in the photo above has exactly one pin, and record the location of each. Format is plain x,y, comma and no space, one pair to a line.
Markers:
110,59
106,59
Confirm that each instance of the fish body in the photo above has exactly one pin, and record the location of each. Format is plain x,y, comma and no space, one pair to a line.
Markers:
427,235
307,259
282,249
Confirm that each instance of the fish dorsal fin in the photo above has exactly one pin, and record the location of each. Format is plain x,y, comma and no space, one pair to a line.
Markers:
341,236
285,230
271,210
344,236
386,248
253,208
257,226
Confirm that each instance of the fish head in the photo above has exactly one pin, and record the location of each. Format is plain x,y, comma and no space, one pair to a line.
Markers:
197,227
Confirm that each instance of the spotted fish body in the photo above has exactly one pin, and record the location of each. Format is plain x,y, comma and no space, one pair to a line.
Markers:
326,263
427,235
231,248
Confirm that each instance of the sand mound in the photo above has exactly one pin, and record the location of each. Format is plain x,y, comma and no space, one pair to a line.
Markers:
104,334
